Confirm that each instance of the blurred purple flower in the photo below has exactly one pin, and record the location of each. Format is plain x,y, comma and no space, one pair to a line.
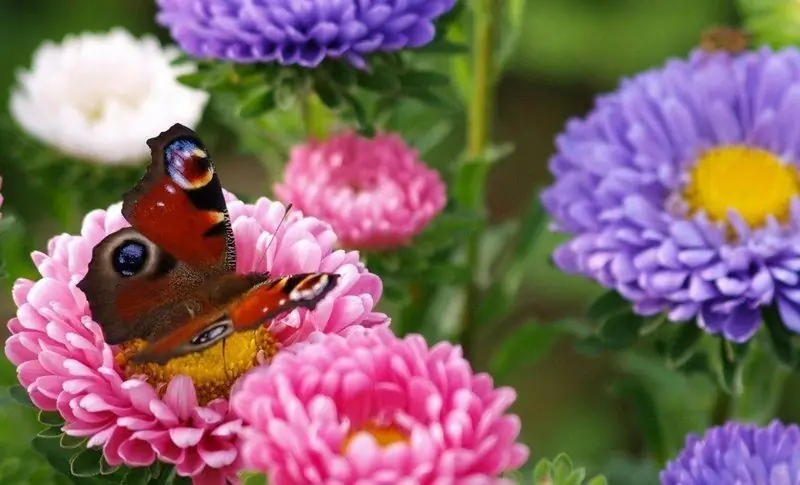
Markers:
741,454
681,190
300,32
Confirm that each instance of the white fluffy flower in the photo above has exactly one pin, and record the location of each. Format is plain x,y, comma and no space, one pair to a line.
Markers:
99,96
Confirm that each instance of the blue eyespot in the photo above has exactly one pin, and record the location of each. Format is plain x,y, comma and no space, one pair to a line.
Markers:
129,258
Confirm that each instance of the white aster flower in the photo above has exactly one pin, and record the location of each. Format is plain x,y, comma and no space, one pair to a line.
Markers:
99,96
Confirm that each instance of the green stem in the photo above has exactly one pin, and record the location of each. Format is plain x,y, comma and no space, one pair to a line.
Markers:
316,117
479,117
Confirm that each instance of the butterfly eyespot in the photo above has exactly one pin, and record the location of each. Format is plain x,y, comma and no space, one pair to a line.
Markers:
188,164
212,334
129,258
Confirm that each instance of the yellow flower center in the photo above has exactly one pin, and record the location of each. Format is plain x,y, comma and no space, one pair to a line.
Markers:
213,370
384,435
751,181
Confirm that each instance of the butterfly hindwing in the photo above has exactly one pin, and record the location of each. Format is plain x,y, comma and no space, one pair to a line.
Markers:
278,296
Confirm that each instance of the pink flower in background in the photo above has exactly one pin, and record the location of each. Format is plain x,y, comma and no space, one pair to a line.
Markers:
376,193
371,408
177,412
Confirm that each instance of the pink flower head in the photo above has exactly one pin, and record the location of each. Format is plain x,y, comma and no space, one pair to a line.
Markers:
371,408
376,193
66,366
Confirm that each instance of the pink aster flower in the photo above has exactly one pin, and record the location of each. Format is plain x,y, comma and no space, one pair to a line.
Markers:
371,408
177,412
376,193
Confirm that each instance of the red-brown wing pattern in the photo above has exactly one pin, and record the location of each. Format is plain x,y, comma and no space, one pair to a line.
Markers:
277,296
179,205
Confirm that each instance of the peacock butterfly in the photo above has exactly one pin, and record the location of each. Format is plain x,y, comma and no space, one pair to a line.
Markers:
170,278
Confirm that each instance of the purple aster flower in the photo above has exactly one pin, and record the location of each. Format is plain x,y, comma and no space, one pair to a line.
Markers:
681,190
300,32
741,454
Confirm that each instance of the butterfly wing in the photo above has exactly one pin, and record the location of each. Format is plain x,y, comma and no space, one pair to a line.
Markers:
144,281
277,296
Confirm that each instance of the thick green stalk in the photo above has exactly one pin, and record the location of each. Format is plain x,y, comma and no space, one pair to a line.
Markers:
479,132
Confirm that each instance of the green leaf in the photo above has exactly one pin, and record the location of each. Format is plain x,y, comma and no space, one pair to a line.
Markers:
526,345
327,93
647,417
684,344
51,432
70,442
51,418
620,330
384,81
258,103
608,304
253,478
763,383
780,338
443,47
20,395
195,80
86,463
137,476
53,453
365,127
423,80
732,357
342,73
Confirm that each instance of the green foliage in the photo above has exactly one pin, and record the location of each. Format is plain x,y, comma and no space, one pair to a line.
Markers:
773,22
561,471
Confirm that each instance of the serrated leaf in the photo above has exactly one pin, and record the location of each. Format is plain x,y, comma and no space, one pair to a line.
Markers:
608,304
20,396
258,103
86,463
779,337
525,346
684,344
51,418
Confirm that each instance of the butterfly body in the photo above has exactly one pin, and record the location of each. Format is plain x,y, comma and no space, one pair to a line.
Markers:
170,278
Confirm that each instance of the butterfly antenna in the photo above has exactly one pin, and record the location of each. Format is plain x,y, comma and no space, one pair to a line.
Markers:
275,234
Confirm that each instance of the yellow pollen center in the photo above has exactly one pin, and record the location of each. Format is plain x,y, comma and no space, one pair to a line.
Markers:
212,371
384,435
751,181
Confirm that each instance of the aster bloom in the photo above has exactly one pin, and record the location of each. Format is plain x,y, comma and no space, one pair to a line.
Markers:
368,407
302,33
375,193
96,96
176,412
741,454
681,190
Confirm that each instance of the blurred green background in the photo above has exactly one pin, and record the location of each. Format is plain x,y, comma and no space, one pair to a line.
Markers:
570,51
